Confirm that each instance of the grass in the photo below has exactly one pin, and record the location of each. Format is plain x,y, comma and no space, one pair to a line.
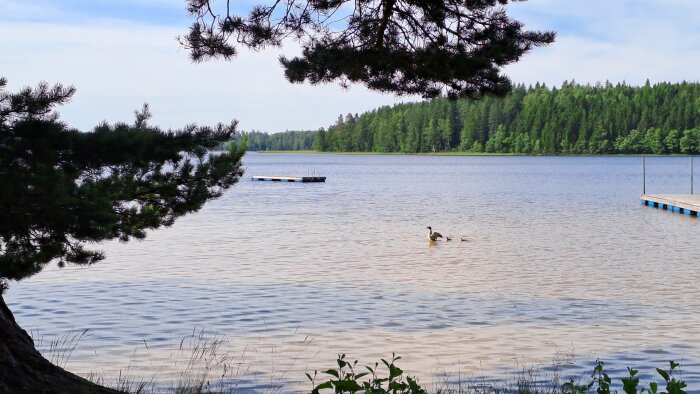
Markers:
204,365
524,380
60,349
199,363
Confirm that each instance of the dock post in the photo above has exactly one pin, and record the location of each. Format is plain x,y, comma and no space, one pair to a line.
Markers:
691,175
644,175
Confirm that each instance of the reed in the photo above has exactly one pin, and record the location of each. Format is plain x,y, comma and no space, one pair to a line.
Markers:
204,365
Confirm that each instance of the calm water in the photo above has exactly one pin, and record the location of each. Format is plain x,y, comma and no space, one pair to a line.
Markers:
560,258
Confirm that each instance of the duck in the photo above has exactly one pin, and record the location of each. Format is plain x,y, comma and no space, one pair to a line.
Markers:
434,235
462,239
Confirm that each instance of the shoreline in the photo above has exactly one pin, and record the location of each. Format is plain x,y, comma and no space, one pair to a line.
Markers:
471,154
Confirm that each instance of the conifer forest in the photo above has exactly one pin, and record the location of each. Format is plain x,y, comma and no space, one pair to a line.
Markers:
663,118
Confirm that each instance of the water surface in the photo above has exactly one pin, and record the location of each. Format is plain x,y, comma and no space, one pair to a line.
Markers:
560,257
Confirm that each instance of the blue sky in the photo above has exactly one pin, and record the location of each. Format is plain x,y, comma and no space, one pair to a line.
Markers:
156,12
121,53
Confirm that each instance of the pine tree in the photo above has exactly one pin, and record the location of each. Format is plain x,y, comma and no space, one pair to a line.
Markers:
64,190
398,46
576,119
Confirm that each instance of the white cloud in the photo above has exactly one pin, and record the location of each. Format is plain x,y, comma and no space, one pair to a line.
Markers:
119,66
612,40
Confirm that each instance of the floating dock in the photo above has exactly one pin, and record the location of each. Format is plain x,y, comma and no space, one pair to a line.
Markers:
303,179
682,203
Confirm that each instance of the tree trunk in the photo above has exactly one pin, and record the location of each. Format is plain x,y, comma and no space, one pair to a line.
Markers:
24,370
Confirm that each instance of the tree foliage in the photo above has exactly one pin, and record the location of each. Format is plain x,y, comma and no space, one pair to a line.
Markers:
288,140
399,46
574,119
63,189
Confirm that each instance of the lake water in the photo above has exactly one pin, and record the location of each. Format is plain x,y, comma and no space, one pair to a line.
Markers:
560,259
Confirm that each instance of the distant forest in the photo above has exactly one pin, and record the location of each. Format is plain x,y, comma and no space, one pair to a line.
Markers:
575,119
288,140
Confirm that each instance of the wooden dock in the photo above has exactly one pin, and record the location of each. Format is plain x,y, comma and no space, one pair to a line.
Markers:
682,203
303,179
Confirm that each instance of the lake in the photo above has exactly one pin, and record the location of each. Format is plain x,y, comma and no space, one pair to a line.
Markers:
561,262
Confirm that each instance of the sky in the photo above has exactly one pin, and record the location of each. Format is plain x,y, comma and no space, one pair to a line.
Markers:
122,53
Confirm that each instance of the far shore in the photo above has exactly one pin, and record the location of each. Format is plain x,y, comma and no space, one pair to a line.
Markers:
474,153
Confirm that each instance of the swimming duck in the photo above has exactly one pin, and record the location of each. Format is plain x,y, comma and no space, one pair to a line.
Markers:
434,235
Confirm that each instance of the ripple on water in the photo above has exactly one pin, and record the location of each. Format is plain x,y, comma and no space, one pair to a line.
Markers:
560,256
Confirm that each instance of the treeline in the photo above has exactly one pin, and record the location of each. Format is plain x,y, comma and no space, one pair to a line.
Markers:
574,119
288,140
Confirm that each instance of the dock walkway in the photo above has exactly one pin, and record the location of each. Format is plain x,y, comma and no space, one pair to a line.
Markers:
681,203
304,179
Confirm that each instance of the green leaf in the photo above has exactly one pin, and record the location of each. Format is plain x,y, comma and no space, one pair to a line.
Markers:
663,374
397,386
394,371
360,375
414,386
347,386
653,386
322,386
629,384
332,372
309,376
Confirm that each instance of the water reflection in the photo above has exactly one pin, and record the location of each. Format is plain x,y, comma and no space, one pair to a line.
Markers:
560,255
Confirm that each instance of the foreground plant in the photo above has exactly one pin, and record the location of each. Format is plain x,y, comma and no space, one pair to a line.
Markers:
601,381
62,190
345,379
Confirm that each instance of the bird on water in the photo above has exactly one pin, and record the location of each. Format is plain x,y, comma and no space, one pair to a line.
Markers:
434,235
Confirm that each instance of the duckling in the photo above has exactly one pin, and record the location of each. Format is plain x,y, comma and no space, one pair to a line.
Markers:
434,236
